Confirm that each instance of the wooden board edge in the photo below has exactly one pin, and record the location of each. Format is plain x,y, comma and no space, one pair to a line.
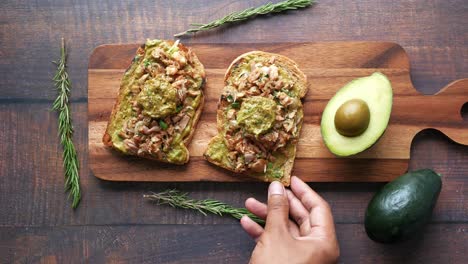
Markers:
254,45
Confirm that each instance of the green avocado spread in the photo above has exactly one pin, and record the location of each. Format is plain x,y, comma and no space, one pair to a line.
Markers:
218,151
178,153
257,114
158,98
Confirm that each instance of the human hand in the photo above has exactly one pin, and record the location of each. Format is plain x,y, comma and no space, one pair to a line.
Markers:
308,238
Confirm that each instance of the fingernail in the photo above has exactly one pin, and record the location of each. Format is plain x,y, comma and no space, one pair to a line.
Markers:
276,188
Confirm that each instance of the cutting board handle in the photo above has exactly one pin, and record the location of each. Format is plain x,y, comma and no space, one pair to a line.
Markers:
442,111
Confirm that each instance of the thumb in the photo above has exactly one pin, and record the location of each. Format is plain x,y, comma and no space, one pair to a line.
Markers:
278,208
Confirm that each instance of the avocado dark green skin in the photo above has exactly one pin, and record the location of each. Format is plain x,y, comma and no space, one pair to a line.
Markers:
402,207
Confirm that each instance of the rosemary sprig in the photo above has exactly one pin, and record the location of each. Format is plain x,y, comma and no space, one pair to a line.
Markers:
178,199
65,127
249,13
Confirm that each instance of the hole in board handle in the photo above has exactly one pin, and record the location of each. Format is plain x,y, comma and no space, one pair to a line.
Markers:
464,112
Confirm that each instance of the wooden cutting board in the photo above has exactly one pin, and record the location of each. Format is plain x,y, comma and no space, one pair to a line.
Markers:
328,65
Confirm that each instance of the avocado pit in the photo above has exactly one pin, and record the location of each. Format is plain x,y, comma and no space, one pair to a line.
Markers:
352,118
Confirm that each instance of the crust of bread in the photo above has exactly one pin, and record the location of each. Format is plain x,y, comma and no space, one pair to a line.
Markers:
107,139
285,180
280,61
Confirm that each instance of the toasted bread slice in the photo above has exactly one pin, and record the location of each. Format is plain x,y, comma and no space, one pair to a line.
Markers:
259,117
159,103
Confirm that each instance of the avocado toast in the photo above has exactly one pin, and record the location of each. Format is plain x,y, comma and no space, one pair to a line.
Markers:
159,103
259,117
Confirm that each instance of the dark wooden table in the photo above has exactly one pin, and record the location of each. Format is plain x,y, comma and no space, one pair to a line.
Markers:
113,223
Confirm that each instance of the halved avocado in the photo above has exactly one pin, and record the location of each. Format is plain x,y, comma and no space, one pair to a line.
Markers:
357,115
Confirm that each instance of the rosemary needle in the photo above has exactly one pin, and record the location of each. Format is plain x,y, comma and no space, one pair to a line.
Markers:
249,13
65,128
178,199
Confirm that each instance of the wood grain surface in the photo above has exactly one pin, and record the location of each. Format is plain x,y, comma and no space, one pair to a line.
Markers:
113,224
328,67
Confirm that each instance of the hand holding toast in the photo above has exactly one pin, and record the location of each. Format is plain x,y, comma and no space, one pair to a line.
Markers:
308,237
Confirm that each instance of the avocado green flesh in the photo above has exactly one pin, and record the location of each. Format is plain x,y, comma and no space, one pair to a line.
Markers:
178,153
157,98
402,207
257,114
218,151
376,91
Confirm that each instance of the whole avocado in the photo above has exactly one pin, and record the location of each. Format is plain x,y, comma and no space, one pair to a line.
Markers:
402,207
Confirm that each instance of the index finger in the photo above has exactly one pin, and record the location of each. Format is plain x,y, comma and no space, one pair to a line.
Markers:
321,219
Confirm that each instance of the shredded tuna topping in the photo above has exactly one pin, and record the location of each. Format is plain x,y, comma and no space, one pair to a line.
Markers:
165,91
251,144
